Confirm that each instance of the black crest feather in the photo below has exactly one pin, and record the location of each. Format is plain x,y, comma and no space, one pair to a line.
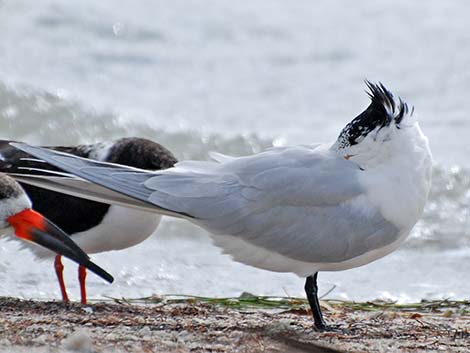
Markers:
383,110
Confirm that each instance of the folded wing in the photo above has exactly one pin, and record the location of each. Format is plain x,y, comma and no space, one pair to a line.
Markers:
299,202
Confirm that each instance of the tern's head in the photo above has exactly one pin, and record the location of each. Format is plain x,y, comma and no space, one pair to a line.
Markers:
376,130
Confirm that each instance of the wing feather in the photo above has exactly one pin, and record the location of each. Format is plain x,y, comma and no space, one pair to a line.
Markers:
82,188
121,179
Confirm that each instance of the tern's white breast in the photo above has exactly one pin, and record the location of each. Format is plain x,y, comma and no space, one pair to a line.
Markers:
399,187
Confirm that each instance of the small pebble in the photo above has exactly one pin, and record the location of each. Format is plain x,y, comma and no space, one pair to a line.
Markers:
42,339
79,341
88,309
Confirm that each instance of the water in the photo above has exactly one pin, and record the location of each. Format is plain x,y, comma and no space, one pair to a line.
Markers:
238,78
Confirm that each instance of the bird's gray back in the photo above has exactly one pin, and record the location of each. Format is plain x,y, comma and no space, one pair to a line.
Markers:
297,202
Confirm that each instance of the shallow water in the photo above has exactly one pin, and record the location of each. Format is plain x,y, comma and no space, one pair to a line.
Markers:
218,75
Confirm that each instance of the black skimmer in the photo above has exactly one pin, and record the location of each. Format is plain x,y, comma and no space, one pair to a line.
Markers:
94,226
299,209
16,213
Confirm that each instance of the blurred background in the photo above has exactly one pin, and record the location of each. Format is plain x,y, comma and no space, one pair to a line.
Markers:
239,77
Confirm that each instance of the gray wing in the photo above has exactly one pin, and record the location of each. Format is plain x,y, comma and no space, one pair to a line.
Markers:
286,177
298,201
294,176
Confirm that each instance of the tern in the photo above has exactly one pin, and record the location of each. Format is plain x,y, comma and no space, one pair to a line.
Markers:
299,209
96,227
16,214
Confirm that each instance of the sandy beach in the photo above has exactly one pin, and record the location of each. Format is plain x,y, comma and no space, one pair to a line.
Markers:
245,324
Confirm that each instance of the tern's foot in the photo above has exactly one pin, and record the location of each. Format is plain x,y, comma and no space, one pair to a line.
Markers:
331,328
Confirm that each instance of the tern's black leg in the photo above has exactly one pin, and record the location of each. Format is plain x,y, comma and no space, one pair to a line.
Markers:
311,289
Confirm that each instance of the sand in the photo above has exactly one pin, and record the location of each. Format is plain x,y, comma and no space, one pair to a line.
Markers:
196,325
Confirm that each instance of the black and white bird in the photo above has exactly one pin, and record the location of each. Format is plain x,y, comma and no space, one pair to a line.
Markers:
17,217
96,227
300,209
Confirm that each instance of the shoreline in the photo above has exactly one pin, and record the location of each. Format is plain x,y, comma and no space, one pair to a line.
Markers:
245,324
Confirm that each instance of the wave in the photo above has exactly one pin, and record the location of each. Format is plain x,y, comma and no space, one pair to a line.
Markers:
48,119
446,220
